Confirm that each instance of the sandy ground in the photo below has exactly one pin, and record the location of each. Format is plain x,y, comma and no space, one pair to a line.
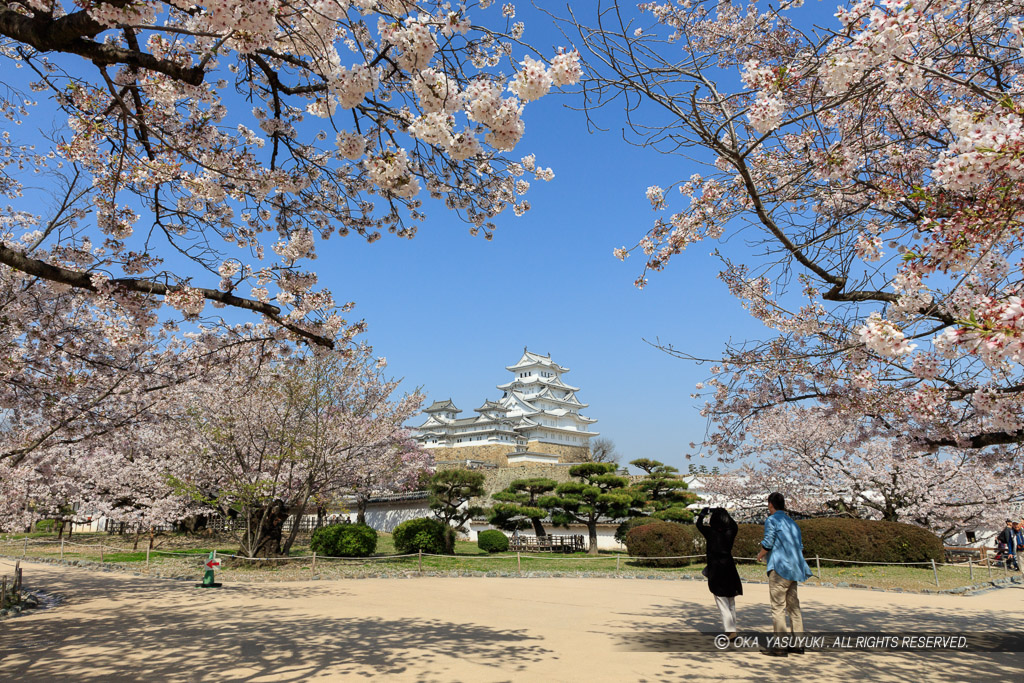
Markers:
115,627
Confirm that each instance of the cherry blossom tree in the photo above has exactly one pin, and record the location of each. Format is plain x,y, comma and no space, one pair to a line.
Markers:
267,441
195,136
872,167
827,464
194,153
393,465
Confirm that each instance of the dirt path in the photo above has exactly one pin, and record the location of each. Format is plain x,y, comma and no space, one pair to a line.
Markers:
115,627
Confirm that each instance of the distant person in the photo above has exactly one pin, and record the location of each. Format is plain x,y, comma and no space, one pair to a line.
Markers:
1006,545
1018,539
786,568
723,579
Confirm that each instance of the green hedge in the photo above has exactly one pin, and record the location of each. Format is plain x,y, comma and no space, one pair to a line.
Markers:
492,540
421,534
837,538
344,540
748,540
869,540
661,539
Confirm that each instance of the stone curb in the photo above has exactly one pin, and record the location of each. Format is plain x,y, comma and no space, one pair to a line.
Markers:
975,589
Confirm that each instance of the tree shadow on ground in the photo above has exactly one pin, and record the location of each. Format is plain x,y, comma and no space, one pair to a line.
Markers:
132,640
946,665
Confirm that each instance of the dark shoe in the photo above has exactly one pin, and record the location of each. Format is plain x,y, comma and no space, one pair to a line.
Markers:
795,650
773,652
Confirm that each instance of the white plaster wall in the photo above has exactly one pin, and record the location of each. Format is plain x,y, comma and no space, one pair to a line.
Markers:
384,517
605,534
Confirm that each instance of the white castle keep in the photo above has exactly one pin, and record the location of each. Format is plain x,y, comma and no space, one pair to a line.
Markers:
537,419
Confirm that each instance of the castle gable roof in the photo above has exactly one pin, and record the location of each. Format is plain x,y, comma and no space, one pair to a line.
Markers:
530,360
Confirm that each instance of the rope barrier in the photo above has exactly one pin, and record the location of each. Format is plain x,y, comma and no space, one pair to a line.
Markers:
534,555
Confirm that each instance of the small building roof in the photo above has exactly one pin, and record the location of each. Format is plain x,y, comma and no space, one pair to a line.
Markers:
491,406
442,406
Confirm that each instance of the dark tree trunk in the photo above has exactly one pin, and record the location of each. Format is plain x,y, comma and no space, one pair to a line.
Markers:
538,528
592,530
194,524
268,531
360,510
299,514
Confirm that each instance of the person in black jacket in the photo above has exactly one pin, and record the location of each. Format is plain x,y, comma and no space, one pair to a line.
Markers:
1007,545
723,579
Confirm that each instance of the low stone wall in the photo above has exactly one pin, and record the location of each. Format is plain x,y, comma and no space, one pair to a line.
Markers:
493,453
499,479
572,454
498,453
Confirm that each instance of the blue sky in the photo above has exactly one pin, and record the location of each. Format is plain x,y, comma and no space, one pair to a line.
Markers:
450,311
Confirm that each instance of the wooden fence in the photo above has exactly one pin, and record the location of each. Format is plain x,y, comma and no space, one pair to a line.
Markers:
983,555
547,544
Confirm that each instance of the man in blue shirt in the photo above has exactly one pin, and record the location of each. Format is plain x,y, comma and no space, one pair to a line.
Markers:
786,568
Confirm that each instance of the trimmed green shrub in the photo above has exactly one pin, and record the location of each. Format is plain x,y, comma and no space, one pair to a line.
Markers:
45,525
869,540
492,540
422,534
344,540
665,539
632,523
748,541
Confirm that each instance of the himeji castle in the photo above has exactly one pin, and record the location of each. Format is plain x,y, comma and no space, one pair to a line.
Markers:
537,419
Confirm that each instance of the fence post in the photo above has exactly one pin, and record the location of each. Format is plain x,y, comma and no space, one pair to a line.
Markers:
519,563
3,595
17,580
817,562
314,562
62,548
617,558
24,549
147,558
101,553
970,567
936,572
420,559
988,566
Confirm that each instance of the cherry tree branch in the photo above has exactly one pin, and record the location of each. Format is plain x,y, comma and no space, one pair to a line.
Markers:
82,280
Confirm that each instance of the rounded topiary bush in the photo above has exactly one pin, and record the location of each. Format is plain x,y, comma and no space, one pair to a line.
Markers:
869,540
630,524
422,534
492,540
665,539
344,540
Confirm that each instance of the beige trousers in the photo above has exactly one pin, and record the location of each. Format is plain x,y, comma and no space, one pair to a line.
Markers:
784,601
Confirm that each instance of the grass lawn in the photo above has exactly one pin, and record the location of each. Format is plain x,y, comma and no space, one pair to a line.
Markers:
181,555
